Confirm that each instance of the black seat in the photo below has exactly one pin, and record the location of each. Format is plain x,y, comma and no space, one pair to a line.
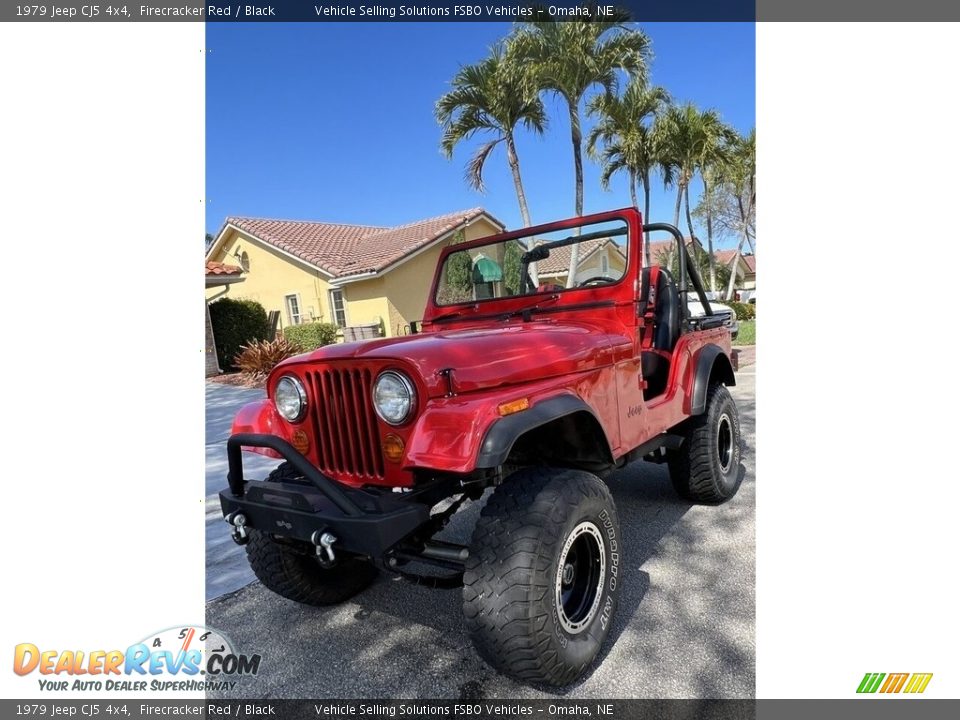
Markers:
655,364
666,313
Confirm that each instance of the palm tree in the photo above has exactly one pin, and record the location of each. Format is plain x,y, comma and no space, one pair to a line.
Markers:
568,58
491,96
624,128
691,139
712,174
742,185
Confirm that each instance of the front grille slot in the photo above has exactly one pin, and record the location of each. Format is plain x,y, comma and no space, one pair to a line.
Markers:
345,429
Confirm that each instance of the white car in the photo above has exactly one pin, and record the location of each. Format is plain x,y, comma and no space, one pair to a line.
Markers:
697,311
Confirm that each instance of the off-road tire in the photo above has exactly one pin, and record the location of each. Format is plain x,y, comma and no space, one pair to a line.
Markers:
293,571
514,575
706,468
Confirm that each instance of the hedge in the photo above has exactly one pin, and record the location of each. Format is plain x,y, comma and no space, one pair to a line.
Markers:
744,311
310,336
236,323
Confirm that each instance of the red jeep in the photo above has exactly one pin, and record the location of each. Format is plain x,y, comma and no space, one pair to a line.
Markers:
519,382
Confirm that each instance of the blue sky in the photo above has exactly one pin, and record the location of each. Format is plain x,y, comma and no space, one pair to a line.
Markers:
334,122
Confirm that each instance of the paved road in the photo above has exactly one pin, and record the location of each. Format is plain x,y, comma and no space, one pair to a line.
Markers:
685,626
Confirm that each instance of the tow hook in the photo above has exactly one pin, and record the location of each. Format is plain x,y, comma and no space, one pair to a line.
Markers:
324,542
239,522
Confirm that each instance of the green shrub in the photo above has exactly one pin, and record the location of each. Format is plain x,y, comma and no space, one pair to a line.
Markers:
257,359
236,323
310,336
744,311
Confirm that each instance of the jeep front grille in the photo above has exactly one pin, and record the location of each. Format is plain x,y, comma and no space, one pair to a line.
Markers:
345,429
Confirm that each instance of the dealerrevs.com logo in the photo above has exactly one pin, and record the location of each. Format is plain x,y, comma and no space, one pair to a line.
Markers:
910,683
185,658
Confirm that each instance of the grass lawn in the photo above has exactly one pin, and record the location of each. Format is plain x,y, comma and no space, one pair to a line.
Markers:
747,334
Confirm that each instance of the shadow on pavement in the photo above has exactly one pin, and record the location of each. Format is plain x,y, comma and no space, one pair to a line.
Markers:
684,627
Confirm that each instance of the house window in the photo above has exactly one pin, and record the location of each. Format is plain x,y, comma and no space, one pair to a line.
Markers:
337,307
245,261
604,264
293,309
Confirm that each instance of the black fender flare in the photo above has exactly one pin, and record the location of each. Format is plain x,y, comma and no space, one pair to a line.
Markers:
712,363
503,433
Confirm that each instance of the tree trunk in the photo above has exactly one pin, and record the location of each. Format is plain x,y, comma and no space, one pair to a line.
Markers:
517,181
676,209
733,269
712,259
676,223
577,139
514,162
745,239
743,219
686,204
648,258
633,189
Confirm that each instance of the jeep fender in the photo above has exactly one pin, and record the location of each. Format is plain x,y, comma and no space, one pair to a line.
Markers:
260,418
712,365
500,437
463,433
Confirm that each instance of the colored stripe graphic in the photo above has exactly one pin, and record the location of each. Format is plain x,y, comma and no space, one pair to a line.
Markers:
918,682
894,682
870,682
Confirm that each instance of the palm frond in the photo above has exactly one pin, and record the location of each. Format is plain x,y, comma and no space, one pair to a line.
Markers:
473,173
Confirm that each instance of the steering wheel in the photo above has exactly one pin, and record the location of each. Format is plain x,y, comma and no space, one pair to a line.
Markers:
596,279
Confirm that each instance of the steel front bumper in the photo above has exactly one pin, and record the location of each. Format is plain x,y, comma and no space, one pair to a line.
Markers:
320,511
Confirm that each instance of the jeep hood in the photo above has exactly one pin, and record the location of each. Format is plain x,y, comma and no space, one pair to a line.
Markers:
480,359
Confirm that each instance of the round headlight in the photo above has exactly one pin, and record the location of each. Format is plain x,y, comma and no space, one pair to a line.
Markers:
394,398
290,397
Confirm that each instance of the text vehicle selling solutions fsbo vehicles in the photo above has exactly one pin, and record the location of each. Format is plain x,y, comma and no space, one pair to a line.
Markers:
523,382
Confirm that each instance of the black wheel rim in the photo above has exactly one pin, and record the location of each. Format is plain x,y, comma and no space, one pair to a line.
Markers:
725,443
580,576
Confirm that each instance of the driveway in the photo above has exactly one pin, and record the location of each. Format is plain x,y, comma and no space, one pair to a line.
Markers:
685,626
227,568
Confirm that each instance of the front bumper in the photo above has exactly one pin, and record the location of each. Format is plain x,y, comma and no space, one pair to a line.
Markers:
360,522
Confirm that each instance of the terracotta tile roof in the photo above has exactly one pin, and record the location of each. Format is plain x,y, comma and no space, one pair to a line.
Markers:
215,268
726,257
662,247
344,250
559,260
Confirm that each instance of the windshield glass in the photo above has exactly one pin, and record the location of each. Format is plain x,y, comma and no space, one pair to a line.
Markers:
536,264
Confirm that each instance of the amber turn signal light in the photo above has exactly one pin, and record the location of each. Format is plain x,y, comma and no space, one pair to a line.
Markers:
514,406
392,448
301,442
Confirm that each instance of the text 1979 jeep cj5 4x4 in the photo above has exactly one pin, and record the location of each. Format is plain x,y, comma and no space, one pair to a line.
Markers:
514,383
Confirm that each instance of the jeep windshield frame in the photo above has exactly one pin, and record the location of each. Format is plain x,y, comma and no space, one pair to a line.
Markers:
509,291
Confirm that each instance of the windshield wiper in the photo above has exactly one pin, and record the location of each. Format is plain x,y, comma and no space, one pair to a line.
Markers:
452,315
542,251
530,309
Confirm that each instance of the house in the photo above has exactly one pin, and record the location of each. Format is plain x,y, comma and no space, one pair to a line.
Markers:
598,258
350,275
661,249
746,268
218,279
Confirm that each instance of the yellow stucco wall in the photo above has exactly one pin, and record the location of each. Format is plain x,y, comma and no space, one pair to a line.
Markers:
398,297
272,277
365,302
